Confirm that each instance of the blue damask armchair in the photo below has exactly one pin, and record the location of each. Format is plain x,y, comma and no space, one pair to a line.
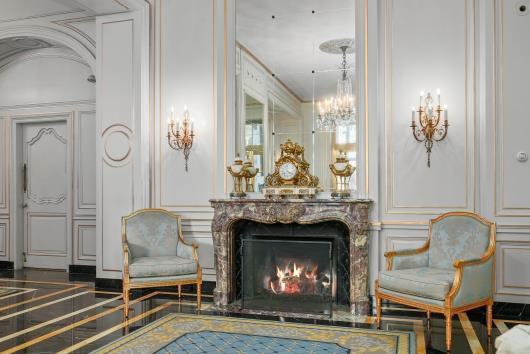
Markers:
155,254
451,273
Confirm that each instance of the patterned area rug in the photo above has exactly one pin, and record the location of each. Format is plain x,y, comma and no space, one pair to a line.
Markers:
179,333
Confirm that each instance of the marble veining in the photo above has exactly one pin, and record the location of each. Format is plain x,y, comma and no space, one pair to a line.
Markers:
352,213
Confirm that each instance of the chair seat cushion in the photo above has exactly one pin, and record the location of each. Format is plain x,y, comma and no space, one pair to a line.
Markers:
161,266
432,283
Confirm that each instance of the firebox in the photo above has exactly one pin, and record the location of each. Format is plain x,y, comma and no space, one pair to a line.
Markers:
291,267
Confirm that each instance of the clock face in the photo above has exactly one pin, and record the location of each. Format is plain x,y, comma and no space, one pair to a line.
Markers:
288,171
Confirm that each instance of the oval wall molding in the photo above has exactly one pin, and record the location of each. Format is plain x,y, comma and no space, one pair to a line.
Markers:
117,147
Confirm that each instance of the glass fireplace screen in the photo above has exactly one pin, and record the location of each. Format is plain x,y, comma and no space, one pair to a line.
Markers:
287,275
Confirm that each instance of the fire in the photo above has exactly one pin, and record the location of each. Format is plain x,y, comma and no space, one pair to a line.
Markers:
295,278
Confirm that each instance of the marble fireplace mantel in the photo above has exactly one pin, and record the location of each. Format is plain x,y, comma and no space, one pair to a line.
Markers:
352,213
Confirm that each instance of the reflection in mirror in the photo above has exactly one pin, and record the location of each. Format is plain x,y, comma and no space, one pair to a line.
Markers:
295,79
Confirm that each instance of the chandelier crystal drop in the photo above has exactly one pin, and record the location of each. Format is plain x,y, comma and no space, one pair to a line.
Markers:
340,109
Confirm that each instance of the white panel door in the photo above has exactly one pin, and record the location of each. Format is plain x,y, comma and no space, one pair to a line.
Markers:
45,194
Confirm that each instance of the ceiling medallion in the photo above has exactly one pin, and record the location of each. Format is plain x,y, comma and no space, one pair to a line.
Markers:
340,109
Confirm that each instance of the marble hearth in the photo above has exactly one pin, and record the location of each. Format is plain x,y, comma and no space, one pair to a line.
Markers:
352,213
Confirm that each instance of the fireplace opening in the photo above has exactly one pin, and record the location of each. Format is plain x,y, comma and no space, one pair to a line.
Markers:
291,267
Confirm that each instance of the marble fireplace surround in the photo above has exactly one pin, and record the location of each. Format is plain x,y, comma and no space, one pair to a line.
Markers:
352,213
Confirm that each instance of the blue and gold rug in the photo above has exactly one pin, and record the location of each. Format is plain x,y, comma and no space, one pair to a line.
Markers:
180,333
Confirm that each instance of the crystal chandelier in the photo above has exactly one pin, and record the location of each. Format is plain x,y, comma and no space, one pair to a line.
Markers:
340,109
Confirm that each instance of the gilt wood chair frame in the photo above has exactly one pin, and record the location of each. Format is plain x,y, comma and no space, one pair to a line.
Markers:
448,310
127,285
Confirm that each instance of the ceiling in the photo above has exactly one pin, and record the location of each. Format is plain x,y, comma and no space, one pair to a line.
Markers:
13,10
288,44
16,10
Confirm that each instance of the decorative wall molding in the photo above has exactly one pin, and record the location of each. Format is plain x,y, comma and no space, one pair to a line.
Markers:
85,241
70,24
512,275
82,176
30,219
392,204
4,239
503,10
53,53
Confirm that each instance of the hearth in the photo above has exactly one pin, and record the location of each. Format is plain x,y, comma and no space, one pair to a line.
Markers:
292,225
291,267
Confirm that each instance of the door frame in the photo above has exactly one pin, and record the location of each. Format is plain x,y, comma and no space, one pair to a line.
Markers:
16,211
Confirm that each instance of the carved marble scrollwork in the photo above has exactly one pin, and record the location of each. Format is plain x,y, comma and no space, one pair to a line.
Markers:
354,214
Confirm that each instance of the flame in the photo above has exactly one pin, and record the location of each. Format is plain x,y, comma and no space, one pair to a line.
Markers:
294,278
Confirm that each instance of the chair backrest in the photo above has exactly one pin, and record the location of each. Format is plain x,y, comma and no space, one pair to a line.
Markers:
455,236
151,233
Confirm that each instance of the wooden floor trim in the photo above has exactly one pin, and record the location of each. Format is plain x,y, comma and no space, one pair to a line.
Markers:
115,328
471,336
71,314
43,305
42,297
74,325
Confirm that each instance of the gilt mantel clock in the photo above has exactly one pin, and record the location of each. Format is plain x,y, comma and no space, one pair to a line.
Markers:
291,177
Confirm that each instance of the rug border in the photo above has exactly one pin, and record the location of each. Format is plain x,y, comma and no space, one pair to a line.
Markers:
409,344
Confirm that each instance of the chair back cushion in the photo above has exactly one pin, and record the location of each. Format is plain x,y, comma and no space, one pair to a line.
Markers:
457,237
152,233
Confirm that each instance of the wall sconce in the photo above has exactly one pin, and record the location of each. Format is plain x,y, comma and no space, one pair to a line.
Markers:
180,137
429,117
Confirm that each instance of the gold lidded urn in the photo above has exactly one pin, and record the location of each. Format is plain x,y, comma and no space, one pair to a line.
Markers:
342,171
242,171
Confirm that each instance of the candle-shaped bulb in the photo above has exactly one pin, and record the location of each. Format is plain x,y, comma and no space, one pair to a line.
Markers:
192,124
438,93
445,112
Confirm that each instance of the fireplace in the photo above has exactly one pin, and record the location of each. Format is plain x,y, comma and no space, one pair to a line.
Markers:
267,237
291,267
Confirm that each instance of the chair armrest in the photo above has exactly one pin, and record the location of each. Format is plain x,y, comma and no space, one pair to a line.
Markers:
473,281
127,259
408,258
188,251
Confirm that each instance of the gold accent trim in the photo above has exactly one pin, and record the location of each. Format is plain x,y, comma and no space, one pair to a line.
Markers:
390,206
471,336
29,309
73,325
40,297
54,320
125,323
501,326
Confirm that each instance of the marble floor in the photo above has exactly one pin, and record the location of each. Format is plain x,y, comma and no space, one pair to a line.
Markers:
53,312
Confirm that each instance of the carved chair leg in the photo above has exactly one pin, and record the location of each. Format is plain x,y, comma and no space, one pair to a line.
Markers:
180,291
489,317
378,311
199,294
448,330
126,301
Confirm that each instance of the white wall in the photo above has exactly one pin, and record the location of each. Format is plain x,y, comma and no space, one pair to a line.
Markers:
412,45
482,78
37,84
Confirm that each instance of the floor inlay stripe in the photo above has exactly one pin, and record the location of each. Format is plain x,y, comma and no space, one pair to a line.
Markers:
35,282
71,314
21,292
43,305
501,325
115,328
42,297
471,336
74,325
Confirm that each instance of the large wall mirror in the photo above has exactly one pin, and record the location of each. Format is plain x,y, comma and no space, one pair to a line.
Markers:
295,79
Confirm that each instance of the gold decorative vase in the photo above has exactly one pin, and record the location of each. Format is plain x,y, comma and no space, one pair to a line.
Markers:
342,171
237,171
249,172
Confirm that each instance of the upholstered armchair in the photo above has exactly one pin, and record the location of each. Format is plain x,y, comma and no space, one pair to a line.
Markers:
155,254
451,273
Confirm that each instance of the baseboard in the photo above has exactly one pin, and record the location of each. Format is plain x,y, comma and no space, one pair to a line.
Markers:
81,269
116,285
7,265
